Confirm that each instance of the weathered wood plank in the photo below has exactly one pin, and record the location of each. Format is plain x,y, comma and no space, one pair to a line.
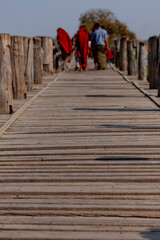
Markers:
82,162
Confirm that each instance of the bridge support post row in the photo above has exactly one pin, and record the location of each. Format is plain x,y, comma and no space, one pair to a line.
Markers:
128,55
136,61
22,64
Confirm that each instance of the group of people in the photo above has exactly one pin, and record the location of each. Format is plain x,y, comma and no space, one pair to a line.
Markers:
98,49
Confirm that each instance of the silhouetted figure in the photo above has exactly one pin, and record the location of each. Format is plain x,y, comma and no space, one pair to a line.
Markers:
82,47
65,43
99,37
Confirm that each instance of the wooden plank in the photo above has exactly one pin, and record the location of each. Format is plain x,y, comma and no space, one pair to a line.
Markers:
76,235
82,162
23,108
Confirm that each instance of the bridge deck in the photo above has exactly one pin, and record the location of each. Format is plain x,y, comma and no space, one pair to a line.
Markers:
82,162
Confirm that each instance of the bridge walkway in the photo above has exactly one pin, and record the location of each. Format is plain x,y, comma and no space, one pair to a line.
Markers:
82,162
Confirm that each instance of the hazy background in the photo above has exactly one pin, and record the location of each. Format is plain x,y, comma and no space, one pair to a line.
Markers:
43,17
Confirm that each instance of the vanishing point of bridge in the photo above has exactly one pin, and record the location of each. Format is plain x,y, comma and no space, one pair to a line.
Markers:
80,159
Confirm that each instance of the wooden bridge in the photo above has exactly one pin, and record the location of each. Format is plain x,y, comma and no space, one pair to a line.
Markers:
80,159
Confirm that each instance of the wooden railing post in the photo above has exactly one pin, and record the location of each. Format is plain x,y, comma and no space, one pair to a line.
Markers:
135,55
6,96
158,65
47,45
132,56
116,52
152,62
17,56
123,54
130,67
28,62
142,63
38,61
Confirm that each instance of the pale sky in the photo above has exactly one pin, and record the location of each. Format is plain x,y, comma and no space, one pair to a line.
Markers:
43,17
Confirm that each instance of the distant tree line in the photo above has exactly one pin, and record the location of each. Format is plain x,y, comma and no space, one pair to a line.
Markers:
108,21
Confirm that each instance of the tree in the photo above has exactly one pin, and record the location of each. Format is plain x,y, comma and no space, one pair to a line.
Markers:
108,21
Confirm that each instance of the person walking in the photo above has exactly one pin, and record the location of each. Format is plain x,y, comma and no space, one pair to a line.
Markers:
82,47
77,67
93,48
99,38
65,43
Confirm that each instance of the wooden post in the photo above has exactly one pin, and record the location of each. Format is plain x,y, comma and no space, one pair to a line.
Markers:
18,79
135,43
142,63
6,96
55,58
28,62
47,45
123,54
152,62
158,65
116,52
38,61
149,59
132,56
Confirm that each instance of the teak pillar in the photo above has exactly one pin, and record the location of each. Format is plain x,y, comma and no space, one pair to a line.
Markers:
130,67
47,45
158,66
142,63
6,96
18,79
28,62
132,56
123,54
116,52
152,62
38,61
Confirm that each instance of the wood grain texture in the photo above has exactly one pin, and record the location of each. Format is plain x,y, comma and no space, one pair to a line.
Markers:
38,60
142,69
18,68
123,54
152,62
28,62
47,45
132,56
82,162
6,95
117,52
